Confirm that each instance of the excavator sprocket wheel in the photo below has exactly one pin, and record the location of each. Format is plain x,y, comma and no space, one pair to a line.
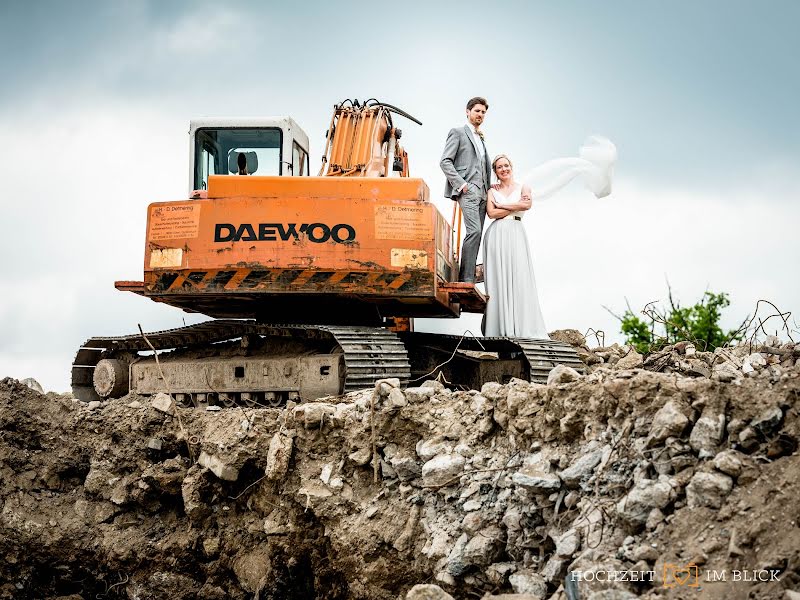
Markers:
110,378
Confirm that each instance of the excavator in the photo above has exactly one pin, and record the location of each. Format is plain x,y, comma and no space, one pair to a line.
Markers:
312,283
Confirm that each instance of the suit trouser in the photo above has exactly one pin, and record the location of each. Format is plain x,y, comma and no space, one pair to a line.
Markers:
473,207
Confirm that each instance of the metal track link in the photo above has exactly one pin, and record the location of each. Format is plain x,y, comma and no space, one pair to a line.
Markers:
370,354
544,355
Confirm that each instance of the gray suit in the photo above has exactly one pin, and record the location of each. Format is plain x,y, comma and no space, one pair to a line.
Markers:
465,161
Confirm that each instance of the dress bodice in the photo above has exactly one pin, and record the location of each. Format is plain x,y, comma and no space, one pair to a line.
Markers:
512,198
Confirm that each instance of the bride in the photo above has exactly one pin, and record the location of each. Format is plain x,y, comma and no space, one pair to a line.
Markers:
513,306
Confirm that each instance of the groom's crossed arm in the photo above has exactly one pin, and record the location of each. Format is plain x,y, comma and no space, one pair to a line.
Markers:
451,146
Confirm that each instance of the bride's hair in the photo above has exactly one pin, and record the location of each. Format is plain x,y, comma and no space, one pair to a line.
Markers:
498,157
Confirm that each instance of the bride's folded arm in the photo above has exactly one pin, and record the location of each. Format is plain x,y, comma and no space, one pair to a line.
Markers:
494,211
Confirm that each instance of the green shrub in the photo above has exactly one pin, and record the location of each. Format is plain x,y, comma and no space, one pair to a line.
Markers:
660,327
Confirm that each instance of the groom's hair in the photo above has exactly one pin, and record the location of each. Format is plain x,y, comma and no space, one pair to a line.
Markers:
477,100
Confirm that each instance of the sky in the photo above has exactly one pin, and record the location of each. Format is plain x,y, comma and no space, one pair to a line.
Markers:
700,99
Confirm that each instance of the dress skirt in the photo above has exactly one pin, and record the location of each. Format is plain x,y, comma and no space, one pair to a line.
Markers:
513,308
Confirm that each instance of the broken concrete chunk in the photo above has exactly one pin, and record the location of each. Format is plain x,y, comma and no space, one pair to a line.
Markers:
405,467
527,581
768,421
707,434
708,489
536,480
635,507
278,456
314,414
361,456
442,469
728,462
581,470
562,374
218,467
427,591
164,403
416,395
484,547
632,360
669,421
427,449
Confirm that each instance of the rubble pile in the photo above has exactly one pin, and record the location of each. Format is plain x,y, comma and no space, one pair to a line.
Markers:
643,465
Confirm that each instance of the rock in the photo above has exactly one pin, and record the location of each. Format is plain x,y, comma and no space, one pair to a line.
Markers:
472,505
669,421
645,496
756,360
728,462
498,573
725,372
278,456
527,581
192,488
707,434
427,592
253,568
385,386
582,469
631,360
654,519
456,565
361,456
573,337
33,384
768,422
396,398
405,467
442,469
790,595
562,374
427,449
484,547
218,467
568,543
416,395
94,405
536,480
555,568
164,403
436,386
314,414
708,489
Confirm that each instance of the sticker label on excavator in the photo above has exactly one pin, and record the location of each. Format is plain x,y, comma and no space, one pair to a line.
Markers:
417,259
402,223
174,221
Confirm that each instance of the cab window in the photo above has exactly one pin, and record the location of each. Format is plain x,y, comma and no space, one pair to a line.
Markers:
216,150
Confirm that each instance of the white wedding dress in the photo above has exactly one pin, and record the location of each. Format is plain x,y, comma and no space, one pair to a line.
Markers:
513,307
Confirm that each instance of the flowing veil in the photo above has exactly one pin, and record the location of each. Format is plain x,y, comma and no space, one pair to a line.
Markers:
594,163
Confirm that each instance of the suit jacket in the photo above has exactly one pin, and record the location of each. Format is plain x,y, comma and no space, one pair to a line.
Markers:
460,162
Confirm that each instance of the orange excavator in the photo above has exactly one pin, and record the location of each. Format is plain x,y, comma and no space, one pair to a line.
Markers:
312,283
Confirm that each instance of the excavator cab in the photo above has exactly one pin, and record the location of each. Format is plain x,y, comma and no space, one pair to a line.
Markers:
272,146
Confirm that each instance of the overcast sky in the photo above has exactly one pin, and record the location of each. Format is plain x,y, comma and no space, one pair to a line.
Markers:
699,97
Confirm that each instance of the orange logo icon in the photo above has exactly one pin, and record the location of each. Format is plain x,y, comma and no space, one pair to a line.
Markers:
686,575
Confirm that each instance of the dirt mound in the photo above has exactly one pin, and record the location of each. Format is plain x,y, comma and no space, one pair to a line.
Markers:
566,490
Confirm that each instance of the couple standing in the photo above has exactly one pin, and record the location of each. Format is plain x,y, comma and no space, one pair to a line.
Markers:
513,307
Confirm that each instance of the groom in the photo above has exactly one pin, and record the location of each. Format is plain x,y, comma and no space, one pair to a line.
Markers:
467,167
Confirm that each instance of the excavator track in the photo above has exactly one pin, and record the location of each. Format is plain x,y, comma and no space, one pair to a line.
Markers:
541,356
369,353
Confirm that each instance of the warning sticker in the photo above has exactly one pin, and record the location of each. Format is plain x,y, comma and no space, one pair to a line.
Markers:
402,257
174,221
403,223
